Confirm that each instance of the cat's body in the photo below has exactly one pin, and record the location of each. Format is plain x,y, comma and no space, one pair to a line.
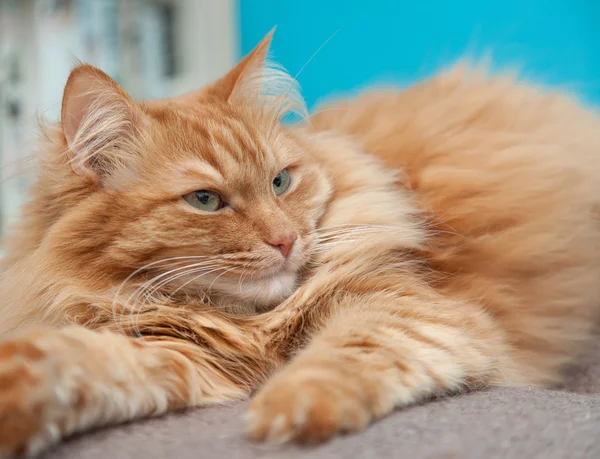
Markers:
451,241
498,167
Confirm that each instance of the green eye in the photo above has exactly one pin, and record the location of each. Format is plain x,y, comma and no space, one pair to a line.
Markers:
282,182
208,201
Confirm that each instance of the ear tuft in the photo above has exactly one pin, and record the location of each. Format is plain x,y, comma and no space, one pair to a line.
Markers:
225,87
273,89
257,81
266,83
100,122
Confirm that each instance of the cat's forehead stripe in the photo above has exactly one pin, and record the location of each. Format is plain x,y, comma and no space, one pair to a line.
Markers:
203,169
223,160
242,144
233,139
245,141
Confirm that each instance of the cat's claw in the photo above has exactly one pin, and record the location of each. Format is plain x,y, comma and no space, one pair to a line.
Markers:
304,410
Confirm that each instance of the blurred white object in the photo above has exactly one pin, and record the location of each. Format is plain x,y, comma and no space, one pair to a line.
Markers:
153,48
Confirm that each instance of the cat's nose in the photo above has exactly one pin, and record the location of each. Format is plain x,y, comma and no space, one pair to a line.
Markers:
284,242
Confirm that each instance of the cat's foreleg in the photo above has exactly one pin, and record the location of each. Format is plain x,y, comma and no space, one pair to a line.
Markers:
374,353
58,381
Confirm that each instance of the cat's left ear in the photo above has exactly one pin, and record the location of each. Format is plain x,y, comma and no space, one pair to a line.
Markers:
255,81
229,86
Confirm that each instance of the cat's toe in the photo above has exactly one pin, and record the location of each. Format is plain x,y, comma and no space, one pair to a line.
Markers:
304,410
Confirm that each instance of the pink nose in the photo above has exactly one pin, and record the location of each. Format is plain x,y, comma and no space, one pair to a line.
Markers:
283,242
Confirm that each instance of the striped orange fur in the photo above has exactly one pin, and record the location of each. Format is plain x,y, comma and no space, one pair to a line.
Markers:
446,239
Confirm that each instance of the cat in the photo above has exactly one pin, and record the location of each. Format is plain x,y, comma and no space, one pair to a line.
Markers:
393,247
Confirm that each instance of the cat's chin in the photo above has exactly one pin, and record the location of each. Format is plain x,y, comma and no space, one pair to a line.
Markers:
259,295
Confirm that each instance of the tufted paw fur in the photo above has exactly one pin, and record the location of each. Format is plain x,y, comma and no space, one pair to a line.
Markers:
306,407
30,403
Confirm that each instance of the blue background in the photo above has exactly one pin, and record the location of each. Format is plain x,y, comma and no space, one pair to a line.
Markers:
386,41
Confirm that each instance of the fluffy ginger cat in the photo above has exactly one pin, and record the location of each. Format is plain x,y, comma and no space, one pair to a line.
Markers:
399,246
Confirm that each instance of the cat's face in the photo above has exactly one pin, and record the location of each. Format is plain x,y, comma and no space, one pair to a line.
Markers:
208,193
241,196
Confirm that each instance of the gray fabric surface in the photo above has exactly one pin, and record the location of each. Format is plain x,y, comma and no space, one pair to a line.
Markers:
501,423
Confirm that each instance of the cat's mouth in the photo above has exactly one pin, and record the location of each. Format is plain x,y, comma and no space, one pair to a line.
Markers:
256,289
266,288
285,267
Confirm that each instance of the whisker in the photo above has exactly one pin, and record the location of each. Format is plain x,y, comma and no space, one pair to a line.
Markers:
294,81
194,279
141,294
215,280
147,290
148,283
139,270
311,58
309,117
242,277
134,317
151,291
139,291
350,232
353,225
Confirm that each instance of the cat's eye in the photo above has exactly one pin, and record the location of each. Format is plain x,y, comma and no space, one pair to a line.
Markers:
208,201
281,182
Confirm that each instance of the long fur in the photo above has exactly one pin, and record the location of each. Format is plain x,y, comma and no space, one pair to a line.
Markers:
448,239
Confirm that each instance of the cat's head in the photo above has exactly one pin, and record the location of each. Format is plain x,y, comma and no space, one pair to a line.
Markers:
208,192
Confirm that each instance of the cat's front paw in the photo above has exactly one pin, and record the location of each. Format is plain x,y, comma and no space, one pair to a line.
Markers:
306,405
28,400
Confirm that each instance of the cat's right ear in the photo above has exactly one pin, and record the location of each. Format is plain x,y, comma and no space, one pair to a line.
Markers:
100,123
